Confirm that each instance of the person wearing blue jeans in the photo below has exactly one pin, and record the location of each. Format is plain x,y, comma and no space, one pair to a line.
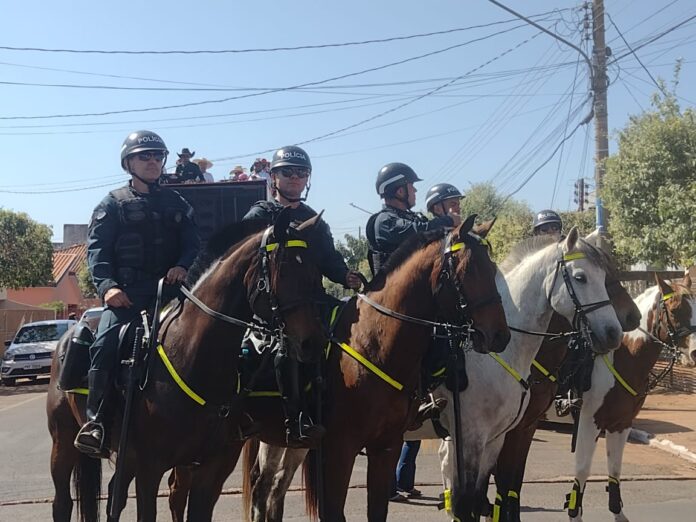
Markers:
406,472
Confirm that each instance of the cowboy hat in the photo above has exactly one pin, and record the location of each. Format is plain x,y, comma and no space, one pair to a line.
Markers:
186,151
204,163
238,168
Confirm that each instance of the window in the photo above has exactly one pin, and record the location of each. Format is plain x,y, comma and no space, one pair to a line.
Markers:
39,333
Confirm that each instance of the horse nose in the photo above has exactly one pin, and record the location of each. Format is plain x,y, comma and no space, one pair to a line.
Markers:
500,340
613,337
632,321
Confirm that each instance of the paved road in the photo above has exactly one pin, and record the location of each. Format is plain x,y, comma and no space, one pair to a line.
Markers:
656,486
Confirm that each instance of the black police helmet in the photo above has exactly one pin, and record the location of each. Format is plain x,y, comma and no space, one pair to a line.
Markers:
546,216
140,141
291,156
393,176
439,193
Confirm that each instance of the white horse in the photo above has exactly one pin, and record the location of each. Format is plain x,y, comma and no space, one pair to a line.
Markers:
532,289
621,381
539,277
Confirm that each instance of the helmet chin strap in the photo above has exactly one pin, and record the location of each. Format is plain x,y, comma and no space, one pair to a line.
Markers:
404,199
152,185
288,198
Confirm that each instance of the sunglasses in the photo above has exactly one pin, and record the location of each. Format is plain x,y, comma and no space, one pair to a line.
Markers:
148,155
551,227
287,172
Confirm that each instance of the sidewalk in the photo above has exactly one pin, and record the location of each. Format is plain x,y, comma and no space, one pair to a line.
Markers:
668,422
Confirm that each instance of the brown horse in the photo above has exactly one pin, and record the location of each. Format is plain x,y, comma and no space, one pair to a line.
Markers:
622,380
190,406
373,366
510,466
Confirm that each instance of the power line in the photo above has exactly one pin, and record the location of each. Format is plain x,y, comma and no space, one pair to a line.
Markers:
273,49
636,56
269,91
653,39
57,191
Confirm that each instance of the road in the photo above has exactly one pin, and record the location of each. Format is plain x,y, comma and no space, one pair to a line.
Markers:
656,486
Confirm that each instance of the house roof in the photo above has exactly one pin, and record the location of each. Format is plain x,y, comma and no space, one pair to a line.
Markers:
67,260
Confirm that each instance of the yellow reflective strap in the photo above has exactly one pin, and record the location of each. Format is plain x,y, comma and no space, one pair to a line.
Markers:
257,394
507,367
573,499
618,377
613,480
184,387
573,256
439,373
332,320
668,296
374,369
447,496
79,391
454,248
297,243
544,372
513,494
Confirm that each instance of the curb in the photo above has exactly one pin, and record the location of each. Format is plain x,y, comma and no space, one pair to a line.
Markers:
662,444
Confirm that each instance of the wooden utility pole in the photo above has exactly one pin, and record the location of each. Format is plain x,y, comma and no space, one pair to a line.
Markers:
599,87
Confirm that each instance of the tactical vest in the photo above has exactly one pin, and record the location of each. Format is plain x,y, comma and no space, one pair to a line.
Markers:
148,241
376,257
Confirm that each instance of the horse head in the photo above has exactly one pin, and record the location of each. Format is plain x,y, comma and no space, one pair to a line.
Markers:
578,292
474,290
625,307
294,284
675,317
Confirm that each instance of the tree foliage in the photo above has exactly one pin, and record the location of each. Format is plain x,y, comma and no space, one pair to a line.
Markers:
354,251
513,217
26,253
650,186
84,281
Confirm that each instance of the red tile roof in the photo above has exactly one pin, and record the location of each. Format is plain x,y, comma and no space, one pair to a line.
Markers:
68,260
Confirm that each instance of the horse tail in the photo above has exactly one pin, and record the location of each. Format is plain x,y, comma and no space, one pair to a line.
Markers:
249,475
87,477
309,481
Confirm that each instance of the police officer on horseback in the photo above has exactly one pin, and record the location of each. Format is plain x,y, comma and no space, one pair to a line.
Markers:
547,222
290,173
396,222
137,235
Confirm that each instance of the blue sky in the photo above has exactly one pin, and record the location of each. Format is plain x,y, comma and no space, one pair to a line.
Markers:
489,110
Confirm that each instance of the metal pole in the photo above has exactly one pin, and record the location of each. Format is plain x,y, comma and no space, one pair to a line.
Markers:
599,86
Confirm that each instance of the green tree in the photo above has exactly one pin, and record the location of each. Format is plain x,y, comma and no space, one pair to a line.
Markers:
84,281
513,217
650,186
354,251
585,221
26,253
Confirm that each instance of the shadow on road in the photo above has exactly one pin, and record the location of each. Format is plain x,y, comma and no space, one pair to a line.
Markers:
25,386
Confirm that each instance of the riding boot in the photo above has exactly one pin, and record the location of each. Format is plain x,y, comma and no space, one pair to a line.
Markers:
301,432
91,437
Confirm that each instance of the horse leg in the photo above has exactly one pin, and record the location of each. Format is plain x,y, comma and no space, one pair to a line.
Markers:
616,442
486,465
464,500
263,474
338,465
64,458
290,461
147,483
210,478
179,486
381,464
584,450
509,471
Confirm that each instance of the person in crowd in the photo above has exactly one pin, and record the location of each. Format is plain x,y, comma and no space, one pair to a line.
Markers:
290,171
186,170
138,234
238,174
204,164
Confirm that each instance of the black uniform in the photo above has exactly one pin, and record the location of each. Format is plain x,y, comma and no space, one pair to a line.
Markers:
390,227
329,260
134,239
187,172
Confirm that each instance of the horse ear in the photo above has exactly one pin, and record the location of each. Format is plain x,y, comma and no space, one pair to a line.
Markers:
593,238
281,225
310,222
571,239
664,287
484,228
466,226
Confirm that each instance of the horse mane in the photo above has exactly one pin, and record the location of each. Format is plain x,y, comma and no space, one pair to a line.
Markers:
222,244
534,244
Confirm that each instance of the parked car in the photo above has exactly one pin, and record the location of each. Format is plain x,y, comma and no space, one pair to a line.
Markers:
31,351
92,317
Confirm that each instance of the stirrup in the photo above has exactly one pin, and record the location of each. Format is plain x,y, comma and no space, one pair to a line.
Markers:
90,439
303,433
428,410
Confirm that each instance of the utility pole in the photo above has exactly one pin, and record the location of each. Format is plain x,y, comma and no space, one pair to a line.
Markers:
580,194
599,88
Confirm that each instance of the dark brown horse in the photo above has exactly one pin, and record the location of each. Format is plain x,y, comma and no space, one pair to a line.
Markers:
373,367
169,425
510,466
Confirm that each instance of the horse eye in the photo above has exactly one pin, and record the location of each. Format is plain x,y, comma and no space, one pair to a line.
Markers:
580,278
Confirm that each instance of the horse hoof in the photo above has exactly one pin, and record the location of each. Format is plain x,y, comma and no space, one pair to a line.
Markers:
620,518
